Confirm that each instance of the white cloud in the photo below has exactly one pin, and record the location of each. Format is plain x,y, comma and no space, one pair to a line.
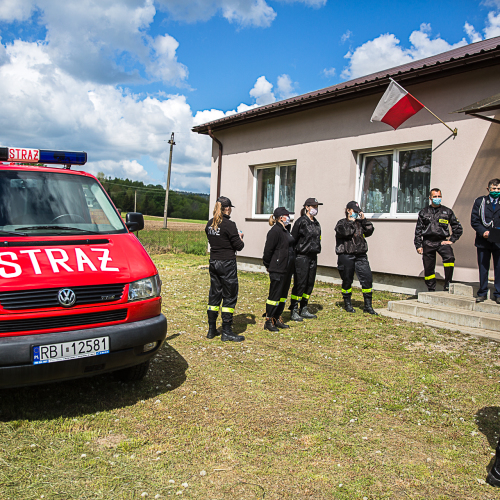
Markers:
329,72
385,52
15,10
492,28
262,91
241,12
346,36
285,87
473,35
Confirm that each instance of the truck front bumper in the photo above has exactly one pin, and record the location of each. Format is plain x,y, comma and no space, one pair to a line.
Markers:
126,343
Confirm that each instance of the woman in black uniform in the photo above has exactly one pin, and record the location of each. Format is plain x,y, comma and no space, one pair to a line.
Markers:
307,235
224,240
278,259
351,249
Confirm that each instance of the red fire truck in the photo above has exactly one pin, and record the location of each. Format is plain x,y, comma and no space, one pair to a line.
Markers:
79,295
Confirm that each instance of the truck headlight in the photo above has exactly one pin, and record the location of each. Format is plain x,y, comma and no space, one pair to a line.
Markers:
146,288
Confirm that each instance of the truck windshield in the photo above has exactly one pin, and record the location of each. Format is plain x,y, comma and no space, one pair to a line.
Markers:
48,203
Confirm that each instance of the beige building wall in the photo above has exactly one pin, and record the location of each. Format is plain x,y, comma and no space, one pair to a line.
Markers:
325,143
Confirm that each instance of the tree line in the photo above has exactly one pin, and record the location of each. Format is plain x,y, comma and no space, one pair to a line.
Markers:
151,199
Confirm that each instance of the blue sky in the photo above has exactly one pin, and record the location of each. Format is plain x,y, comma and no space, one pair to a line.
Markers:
116,77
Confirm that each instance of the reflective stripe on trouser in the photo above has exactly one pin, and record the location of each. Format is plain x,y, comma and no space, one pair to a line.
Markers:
278,292
304,278
429,261
347,264
223,285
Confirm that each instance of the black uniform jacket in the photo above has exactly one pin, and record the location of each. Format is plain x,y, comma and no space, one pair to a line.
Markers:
481,219
307,235
433,226
225,240
351,235
276,250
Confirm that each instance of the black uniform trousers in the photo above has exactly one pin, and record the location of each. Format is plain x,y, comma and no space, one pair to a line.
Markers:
429,260
303,279
483,259
347,264
223,288
278,292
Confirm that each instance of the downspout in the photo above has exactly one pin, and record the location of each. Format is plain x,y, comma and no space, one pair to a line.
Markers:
219,168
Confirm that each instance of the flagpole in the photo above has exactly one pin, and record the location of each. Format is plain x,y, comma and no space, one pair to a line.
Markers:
454,132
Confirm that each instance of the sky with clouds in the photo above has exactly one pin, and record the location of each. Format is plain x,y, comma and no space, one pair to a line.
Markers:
116,77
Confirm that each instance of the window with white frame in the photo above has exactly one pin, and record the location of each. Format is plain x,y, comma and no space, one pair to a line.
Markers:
274,186
396,182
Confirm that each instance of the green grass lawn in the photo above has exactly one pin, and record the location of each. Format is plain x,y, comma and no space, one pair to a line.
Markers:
348,406
163,241
154,217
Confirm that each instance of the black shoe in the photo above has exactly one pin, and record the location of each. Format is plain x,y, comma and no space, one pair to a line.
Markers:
368,308
269,325
295,316
493,478
212,331
497,300
227,330
446,288
279,323
304,313
348,305
481,298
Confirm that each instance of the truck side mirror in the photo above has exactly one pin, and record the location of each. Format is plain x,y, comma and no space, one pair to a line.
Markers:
134,221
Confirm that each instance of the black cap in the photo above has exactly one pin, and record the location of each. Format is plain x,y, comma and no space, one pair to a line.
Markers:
225,202
312,201
354,205
280,211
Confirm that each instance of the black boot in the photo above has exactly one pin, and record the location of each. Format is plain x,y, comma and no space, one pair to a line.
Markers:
348,305
368,304
278,322
494,474
227,329
304,313
269,325
294,315
212,324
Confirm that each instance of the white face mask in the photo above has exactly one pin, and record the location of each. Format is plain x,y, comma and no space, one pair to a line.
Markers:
313,212
287,221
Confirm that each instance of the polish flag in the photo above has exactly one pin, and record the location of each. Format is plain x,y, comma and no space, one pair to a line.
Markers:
396,106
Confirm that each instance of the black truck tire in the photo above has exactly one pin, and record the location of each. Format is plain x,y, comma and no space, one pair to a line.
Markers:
134,373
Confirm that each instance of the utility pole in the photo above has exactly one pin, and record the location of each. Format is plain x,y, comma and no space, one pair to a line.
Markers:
135,201
172,144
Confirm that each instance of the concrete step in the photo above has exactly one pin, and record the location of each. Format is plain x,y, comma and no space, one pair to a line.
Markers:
461,289
477,332
462,317
445,299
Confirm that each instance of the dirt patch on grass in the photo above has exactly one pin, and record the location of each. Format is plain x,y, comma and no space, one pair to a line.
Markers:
110,441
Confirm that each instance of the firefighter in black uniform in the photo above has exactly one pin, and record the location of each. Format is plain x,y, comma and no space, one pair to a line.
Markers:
351,249
278,258
432,234
224,240
485,216
306,232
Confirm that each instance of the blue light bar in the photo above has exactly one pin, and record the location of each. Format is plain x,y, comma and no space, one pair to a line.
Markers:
63,157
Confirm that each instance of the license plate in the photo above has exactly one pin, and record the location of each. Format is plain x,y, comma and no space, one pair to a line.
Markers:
64,351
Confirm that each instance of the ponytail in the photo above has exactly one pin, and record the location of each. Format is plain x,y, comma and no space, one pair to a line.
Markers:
303,212
217,216
272,220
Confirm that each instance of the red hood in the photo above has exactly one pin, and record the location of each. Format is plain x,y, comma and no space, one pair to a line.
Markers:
72,261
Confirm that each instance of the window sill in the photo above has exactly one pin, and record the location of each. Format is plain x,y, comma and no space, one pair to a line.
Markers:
264,218
402,217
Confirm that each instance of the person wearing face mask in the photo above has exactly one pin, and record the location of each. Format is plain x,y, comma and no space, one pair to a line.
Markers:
278,258
484,217
351,249
307,235
225,240
432,235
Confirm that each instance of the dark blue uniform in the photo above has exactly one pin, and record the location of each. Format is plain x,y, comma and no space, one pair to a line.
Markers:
485,216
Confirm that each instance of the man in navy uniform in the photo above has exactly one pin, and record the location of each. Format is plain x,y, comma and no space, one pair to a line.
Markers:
485,216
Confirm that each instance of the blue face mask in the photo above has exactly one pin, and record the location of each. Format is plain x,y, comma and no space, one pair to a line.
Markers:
287,221
354,215
436,201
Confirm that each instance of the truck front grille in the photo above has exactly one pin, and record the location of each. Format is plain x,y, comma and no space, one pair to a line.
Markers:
37,299
63,321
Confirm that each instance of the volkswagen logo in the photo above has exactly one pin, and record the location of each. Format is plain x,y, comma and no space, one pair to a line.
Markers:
66,297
